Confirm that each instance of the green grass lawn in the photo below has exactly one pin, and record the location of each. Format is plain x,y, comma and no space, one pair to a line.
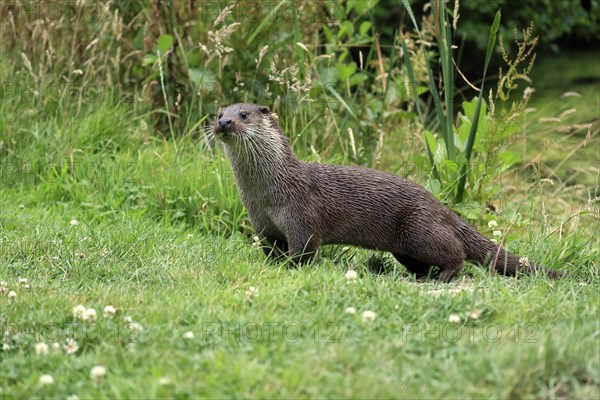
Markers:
161,236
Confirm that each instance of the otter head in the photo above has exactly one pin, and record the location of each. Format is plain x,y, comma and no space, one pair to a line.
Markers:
239,120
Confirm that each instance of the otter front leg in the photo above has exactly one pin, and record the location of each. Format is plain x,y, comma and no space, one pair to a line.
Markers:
302,249
302,243
275,249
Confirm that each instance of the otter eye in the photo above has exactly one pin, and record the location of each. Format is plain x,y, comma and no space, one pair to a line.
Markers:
243,115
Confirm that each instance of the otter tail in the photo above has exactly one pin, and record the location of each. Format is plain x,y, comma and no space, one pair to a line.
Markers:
483,251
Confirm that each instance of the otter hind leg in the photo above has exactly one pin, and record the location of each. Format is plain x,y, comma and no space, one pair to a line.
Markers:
450,272
437,246
418,268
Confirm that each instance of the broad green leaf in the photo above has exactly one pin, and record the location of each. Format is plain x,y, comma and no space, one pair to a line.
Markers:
165,42
148,59
347,29
346,70
201,76
364,28
358,78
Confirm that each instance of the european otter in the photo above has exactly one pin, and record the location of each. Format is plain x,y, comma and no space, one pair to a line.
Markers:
298,206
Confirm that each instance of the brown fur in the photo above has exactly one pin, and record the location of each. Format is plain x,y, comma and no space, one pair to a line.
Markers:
298,206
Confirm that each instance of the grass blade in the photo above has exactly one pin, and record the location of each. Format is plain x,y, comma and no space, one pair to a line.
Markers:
413,84
475,122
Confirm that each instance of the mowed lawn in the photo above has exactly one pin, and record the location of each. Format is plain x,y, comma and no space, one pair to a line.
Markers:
122,220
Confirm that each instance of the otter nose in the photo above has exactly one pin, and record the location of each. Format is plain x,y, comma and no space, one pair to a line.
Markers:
224,122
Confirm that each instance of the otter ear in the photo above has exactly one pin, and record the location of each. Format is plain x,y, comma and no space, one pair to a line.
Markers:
264,110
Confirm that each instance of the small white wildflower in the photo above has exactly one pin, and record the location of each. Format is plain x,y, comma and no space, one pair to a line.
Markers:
524,262
368,316
77,72
27,286
21,206
3,287
46,380
163,380
135,327
55,346
454,318
350,310
474,313
79,311
188,335
5,347
251,293
22,281
12,295
497,233
73,397
104,252
74,222
41,349
345,248
351,276
109,311
90,315
71,347
492,224
190,236
98,373
128,319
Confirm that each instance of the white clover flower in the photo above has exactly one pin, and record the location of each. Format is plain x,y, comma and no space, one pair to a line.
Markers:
74,222
22,281
46,380
497,233
492,224
128,319
109,311
27,286
454,318
474,314
12,295
90,315
190,236
350,310
135,327
55,346
351,276
79,311
524,262
98,373
163,380
251,293
368,316
188,335
71,347
41,349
